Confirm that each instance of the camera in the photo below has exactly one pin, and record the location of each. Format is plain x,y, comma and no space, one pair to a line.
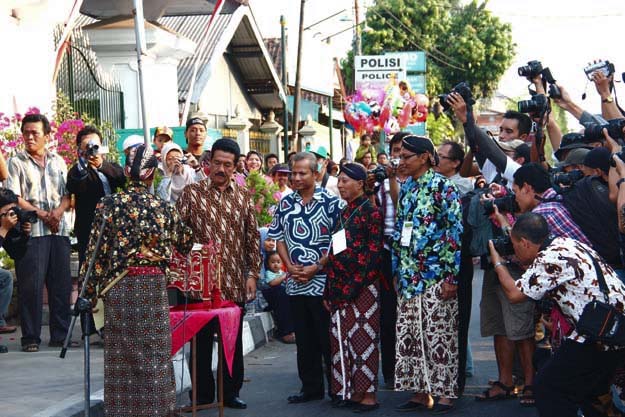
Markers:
184,160
621,156
537,104
567,179
394,163
463,89
531,70
503,246
505,204
23,216
604,66
594,132
94,149
379,173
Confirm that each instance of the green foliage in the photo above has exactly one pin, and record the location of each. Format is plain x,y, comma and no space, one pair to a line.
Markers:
464,43
265,195
440,128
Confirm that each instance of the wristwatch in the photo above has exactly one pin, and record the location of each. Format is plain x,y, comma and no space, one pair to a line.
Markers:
619,182
608,99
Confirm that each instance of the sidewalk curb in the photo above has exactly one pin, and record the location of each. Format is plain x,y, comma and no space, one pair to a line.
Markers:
256,330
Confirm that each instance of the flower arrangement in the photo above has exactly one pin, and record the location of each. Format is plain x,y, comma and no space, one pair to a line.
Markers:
265,195
64,125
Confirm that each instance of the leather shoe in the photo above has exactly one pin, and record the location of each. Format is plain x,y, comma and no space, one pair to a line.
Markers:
304,398
235,402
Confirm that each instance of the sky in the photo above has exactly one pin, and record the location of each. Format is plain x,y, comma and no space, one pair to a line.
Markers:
564,35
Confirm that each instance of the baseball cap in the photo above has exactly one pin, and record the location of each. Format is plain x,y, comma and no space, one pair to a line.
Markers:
598,158
195,121
575,157
321,152
132,140
518,146
164,130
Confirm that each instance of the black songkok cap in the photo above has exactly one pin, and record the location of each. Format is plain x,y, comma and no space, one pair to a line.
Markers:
354,171
419,145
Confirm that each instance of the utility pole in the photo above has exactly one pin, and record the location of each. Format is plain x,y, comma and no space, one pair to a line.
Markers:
298,87
285,121
357,40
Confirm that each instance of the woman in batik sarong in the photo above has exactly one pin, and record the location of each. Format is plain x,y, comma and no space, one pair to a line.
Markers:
352,295
426,255
139,232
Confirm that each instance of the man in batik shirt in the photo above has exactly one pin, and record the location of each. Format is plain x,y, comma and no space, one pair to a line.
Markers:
221,212
302,227
139,233
564,271
426,251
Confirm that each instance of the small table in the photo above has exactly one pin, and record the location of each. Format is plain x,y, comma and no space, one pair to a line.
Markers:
186,323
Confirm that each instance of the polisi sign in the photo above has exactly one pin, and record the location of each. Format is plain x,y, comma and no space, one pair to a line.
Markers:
378,69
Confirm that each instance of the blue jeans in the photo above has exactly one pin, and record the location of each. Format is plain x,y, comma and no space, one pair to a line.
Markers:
6,292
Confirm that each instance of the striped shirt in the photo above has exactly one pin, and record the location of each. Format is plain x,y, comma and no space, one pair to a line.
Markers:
306,229
43,187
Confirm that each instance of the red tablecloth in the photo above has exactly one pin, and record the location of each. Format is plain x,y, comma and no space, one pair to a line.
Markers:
185,324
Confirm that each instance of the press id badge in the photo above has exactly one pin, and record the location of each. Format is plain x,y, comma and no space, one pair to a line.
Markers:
406,234
339,241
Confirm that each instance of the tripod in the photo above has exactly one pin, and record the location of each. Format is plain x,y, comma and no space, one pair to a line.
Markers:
82,308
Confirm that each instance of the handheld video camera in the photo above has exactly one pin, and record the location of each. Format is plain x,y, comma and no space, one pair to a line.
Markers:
594,132
94,149
604,66
464,89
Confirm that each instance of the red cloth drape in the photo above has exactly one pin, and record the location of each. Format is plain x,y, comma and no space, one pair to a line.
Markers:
185,324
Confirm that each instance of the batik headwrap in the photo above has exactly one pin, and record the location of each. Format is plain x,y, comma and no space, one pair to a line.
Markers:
354,171
140,163
419,145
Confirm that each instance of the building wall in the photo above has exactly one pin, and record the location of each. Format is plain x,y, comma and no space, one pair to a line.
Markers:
224,92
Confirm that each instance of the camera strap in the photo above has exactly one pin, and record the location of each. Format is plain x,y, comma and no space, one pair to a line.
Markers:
603,286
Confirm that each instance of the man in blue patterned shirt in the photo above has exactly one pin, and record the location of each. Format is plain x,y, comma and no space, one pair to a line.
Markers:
426,250
302,226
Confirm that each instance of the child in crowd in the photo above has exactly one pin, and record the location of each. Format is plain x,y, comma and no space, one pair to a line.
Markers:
364,148
274,274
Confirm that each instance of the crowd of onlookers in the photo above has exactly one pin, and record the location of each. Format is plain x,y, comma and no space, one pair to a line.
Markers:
367,265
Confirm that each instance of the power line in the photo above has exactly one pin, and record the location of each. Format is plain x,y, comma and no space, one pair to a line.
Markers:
428,53
415,34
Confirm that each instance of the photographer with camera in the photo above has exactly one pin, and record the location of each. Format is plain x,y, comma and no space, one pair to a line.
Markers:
177,173
90,179
566,272
14,235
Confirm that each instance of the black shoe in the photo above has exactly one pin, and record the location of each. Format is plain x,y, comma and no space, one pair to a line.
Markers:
364,408
3,349
410,406
345,404
304,398
235,402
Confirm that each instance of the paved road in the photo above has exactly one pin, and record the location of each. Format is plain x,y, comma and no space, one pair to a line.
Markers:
271,376
34,382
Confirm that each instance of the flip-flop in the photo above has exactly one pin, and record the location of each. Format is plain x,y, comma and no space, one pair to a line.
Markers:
506,395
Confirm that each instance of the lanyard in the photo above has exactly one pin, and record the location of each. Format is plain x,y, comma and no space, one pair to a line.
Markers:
352,215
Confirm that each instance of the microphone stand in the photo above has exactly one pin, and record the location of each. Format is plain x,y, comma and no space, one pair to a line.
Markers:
82,308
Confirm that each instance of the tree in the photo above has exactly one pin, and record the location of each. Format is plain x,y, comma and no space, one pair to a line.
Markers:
463,43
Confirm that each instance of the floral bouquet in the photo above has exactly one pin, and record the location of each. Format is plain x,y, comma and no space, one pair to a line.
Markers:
265,195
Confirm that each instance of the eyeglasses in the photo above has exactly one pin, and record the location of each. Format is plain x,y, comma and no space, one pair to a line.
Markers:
407,157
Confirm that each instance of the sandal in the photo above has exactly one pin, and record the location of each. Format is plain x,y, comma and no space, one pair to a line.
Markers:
30,348
527,399
505,395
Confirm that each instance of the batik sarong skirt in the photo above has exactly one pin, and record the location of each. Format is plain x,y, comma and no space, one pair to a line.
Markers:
427,344
354,339
138,371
